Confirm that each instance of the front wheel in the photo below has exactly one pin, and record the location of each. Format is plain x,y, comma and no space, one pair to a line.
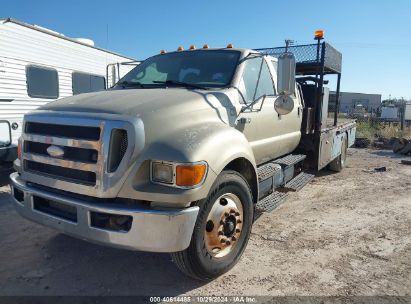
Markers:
221,231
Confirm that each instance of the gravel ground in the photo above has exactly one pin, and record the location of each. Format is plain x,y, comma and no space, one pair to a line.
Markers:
344,234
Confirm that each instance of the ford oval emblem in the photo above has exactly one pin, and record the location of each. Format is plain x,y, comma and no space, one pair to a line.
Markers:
55,151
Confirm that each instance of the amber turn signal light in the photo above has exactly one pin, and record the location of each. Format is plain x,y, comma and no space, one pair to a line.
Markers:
319,34
190,175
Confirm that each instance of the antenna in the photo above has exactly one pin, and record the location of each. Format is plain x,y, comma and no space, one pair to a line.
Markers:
288,42
107,36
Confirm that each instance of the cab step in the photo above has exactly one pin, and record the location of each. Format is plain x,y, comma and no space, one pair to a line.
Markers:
266,171
270,202
298,182
290,160
275,199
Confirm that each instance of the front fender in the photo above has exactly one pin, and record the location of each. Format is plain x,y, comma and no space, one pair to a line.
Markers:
215,143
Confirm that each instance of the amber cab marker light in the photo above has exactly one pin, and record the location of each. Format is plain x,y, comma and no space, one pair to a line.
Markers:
319,34
19,149
205,46
163,52
180,48
229,46
192,47
190,175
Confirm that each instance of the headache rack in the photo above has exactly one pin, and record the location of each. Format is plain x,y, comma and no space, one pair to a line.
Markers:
318,132
316,60
311,57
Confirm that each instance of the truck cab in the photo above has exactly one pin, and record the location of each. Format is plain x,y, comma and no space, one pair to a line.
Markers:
176,157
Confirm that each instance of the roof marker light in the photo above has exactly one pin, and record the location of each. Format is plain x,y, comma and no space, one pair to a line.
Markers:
192,47
205,46
180,48
163,52
229,46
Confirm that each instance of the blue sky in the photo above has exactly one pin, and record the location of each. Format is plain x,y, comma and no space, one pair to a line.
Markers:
374,36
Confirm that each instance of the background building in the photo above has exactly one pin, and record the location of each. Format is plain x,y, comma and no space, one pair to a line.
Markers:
348,101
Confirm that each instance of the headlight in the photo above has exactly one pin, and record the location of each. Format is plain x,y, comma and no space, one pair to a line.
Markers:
184,175
162,173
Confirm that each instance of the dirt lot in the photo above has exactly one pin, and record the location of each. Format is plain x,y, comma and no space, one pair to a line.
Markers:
344,234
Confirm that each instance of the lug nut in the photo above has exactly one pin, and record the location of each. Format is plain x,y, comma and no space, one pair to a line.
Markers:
239,221
232,211
226,214
234,239
227,243
237,230
223,241
221,222
237,213
220,233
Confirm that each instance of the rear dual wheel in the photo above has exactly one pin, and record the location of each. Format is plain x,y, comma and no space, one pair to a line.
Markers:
339,163
221,231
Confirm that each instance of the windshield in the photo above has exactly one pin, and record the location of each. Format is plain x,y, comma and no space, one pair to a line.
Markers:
199,68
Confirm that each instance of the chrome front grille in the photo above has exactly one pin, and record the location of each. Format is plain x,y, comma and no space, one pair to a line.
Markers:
94,151
81,162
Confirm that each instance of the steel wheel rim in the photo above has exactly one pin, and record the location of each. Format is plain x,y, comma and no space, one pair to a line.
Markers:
224,225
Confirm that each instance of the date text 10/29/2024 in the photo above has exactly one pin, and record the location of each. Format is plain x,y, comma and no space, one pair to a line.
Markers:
205,299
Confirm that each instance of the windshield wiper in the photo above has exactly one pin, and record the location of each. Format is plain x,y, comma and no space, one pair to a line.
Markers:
126,83
180,83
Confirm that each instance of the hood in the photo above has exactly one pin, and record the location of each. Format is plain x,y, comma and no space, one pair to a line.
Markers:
135,102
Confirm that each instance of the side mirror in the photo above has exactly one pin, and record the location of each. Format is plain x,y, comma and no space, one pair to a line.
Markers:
284,104
5,134
286,74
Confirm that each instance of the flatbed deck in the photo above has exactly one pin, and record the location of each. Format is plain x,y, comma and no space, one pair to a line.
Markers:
342,123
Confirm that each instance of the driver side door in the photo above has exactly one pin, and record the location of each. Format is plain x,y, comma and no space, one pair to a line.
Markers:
270,135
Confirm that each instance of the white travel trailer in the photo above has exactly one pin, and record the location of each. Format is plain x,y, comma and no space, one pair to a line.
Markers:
38,65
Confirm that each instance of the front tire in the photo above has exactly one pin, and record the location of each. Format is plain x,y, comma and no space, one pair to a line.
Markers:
221,231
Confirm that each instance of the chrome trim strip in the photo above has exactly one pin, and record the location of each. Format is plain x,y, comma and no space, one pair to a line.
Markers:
61,162
61,141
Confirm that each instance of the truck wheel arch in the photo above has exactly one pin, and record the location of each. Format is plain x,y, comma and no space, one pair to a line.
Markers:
244,167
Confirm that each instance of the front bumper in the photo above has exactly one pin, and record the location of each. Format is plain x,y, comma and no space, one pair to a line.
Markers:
151,230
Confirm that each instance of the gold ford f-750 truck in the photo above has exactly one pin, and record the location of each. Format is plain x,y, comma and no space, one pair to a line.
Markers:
183,153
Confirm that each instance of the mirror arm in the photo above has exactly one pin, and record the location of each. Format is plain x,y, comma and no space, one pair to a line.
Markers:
250,105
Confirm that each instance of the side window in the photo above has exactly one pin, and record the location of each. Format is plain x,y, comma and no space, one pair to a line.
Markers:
85,83
42,82
256,79
265,85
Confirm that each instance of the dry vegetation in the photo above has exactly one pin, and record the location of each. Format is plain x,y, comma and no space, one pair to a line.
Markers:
374,129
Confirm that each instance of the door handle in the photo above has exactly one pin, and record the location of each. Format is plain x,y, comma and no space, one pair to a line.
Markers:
244,120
